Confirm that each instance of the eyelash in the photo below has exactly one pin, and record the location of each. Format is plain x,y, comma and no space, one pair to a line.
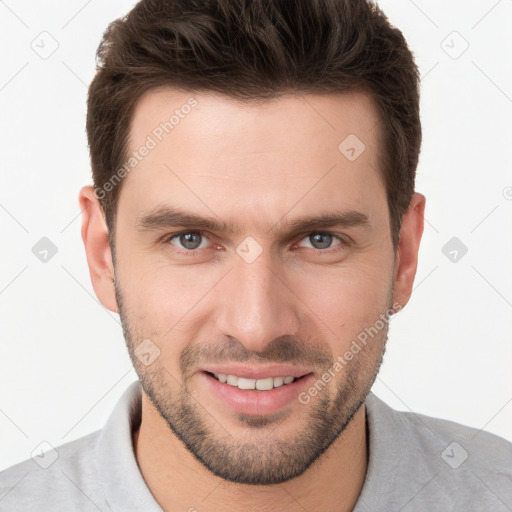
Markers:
344,243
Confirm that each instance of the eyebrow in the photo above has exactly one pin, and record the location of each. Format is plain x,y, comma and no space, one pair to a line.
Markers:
167,217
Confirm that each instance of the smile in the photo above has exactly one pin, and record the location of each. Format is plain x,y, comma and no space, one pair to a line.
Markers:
258,384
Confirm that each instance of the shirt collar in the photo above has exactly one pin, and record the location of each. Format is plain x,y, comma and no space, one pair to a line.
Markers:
385,452
123,484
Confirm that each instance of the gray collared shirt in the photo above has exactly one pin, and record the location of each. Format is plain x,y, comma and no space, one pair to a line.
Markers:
416,463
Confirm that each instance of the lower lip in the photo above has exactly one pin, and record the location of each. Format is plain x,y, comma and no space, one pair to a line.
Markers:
254,402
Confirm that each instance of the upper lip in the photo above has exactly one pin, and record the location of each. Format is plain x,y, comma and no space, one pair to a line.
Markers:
257,371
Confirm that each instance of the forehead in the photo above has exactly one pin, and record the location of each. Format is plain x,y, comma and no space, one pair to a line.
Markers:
213,154
272,124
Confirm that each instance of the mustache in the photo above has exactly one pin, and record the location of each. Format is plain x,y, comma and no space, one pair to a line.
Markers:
284,349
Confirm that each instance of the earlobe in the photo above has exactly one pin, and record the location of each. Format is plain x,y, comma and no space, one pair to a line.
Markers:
408,248
97,248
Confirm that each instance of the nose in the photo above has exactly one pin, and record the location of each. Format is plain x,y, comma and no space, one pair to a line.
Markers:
257,303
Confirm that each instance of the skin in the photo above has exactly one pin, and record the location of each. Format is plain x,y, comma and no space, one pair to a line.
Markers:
260,165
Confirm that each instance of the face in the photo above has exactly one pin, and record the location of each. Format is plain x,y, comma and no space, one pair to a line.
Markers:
271,287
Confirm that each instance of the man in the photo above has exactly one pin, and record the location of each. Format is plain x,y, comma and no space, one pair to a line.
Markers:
253,221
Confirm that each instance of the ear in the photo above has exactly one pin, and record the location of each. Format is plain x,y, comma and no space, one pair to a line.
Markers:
97,248
408,247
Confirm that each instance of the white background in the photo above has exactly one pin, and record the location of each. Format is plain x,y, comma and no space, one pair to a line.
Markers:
63,361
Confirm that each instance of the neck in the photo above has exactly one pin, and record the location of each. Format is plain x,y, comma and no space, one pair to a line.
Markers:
178,481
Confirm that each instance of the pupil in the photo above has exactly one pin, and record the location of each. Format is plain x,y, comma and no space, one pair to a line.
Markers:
188,242
326,240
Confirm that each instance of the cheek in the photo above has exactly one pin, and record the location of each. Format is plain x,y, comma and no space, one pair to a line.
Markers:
175,301
168,302
346,300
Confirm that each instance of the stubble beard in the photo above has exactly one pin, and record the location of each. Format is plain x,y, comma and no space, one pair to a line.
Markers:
267,459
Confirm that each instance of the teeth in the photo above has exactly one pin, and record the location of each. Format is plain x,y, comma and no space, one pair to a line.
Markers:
232,380
278,381
259,384
264,384
246,383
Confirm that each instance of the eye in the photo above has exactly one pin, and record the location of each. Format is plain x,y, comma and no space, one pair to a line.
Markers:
188,241
321,240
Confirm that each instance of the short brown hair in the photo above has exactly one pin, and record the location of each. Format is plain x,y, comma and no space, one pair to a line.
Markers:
253,50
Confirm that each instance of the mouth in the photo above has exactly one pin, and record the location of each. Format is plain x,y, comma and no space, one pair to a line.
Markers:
265,384
255,396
